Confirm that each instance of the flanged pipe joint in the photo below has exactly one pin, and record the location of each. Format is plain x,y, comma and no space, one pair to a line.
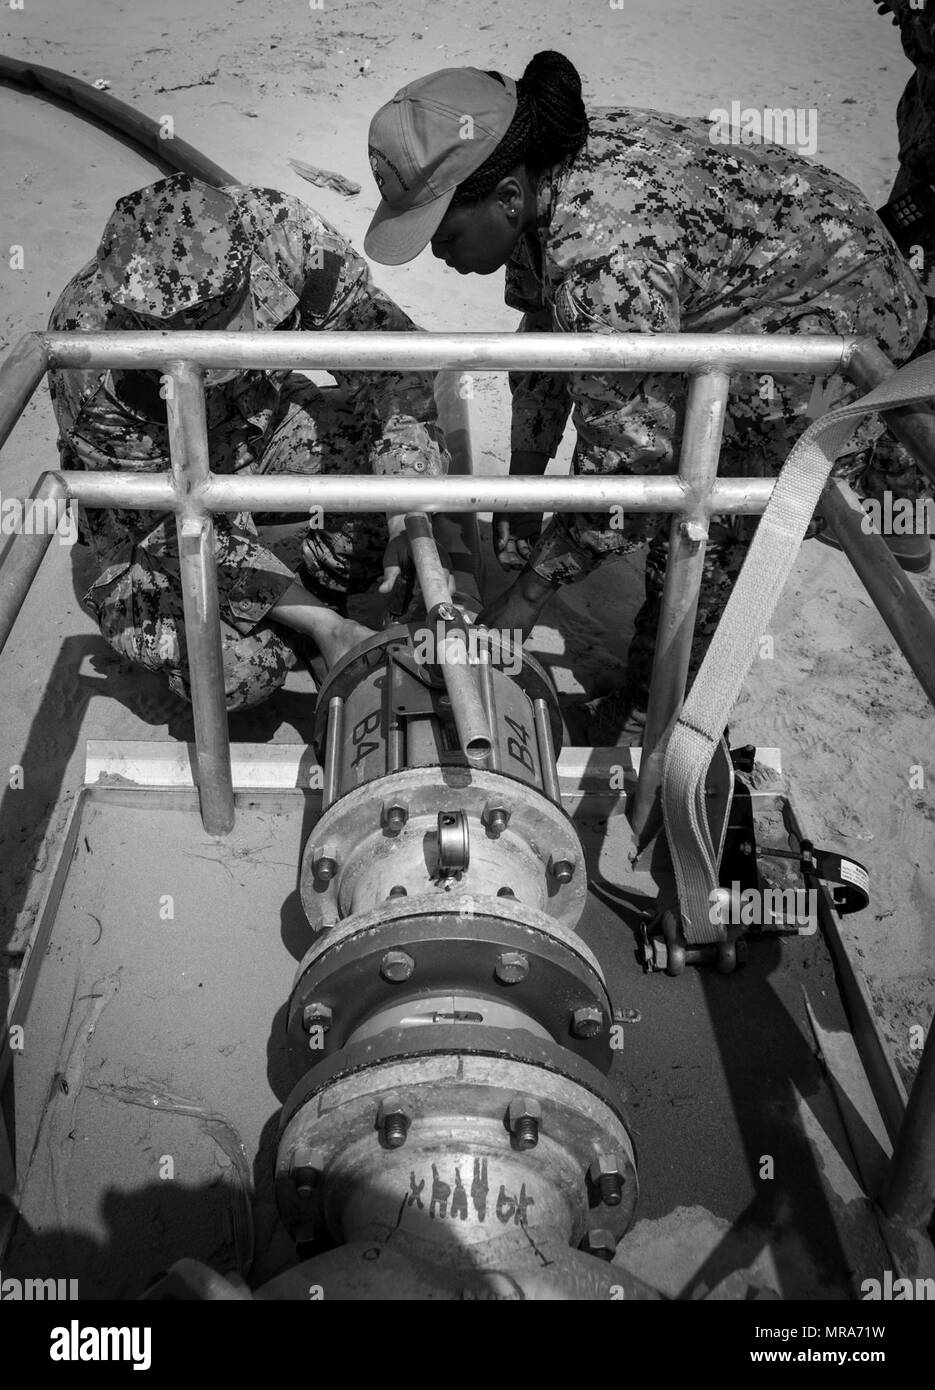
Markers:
449,1032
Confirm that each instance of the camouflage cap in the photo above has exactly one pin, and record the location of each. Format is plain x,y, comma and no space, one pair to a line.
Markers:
173,246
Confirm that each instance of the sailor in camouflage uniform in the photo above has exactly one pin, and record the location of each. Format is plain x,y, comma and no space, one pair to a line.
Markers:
181,254
636,221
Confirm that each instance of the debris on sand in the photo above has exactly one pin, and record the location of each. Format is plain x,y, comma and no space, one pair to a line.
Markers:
324,178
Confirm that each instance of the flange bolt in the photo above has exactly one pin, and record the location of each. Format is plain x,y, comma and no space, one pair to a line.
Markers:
524,1117
511,967
393,1121
397,966
587,1022
607,1173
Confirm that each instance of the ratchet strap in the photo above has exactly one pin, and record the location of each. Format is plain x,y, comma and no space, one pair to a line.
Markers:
696,736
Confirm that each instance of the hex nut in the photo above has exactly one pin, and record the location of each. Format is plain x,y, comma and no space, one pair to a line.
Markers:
326,868
306,1171
522,1108
397,966
317,1015
394,816
600,1243
495,818
562,870
524,1117
393,1120
511,967
608,1174
587,1022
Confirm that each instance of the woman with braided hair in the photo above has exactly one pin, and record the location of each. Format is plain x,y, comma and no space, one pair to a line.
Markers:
622,221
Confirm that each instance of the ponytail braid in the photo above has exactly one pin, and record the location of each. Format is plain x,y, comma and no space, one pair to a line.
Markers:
550,124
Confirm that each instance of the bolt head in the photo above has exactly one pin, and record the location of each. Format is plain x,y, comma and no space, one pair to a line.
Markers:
395,816
326,868
511,967
563,870
397,966
587,1022
600,1243
317,1015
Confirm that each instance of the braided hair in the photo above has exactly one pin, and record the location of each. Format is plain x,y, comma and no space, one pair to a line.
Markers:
550,123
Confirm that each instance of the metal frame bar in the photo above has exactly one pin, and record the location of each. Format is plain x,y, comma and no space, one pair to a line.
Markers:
191,469
688,534
193,493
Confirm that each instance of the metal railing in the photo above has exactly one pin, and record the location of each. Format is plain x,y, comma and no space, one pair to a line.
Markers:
194,494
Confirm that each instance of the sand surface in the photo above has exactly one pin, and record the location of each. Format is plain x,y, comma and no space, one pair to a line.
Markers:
255,82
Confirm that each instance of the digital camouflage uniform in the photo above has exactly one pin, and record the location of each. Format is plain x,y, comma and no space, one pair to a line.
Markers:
302,275
652,228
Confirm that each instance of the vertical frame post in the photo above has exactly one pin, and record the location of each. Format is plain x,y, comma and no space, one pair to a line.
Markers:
188,445
688,532
909,1192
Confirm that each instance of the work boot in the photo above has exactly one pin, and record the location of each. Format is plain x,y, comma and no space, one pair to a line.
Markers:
912,553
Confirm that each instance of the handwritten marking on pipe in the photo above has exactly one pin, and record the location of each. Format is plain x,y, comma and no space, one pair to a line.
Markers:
454,1201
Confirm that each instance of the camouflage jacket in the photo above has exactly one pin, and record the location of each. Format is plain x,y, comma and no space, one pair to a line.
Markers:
303,275
652,228
915,115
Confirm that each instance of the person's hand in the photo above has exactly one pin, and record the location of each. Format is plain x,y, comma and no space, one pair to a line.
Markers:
884,7
397,557
514,535
519,606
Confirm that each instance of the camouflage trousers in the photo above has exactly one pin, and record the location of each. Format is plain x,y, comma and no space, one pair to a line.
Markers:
310,430
765,417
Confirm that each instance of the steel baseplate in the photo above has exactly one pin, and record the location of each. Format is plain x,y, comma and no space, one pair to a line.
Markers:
146,1065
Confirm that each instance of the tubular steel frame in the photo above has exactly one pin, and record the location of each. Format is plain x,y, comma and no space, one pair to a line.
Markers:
193,493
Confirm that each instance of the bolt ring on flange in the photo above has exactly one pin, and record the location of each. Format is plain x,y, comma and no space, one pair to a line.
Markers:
591,1117
347,973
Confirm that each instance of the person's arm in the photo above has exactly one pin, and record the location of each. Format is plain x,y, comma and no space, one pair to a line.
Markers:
336,293
540,407
626,422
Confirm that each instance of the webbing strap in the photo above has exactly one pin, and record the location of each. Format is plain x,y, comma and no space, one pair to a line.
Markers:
736,640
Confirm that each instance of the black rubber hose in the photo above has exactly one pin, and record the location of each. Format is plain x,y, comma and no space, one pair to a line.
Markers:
141,130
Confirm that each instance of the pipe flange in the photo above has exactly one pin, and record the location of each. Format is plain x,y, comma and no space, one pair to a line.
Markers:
455,1171
388,962
521,860
435,905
